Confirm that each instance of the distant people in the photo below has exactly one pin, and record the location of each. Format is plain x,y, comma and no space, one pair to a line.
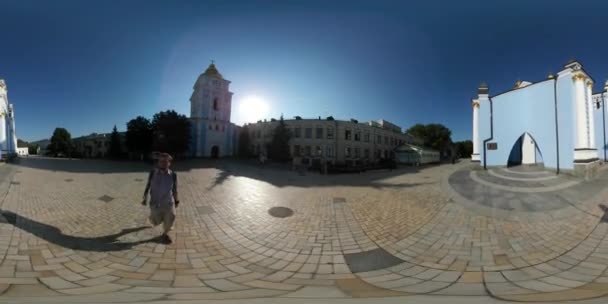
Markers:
162,185
262,158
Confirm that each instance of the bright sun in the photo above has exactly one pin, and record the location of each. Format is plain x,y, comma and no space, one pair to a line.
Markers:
252,109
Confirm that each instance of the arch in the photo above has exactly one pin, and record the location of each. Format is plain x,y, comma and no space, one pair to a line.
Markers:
215,152
525,151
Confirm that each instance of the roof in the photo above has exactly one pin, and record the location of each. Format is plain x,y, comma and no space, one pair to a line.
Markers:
413,148
212,71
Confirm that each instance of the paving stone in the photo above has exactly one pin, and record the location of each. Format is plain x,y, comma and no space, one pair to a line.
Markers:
225,285
357,288
317,292
463,289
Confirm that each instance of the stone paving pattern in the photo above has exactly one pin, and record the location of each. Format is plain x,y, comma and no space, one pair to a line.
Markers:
75,227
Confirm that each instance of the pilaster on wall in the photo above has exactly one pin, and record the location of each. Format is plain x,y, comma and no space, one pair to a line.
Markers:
475,155
585,150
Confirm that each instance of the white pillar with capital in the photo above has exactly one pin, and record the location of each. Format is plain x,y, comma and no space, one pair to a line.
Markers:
589,85
584,150
475,155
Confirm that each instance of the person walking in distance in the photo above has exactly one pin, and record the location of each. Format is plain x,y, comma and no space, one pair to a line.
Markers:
162,186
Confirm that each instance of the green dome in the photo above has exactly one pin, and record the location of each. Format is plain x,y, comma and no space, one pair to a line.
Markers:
212,71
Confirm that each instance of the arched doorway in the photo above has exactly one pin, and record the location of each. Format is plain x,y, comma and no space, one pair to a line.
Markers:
525,151
215,152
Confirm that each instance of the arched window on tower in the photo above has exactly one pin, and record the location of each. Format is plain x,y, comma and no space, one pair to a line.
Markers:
216,105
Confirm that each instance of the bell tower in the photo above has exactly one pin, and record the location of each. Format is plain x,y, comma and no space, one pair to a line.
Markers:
210,111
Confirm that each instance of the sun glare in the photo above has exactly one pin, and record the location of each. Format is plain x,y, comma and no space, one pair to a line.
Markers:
252,109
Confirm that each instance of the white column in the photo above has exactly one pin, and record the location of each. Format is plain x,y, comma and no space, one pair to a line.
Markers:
591,121
581,111
2,130
475,156
584,150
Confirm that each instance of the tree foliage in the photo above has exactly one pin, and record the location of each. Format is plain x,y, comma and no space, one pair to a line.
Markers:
171,132
33,149
115,150
464,148
61,142
435,136
279,146
139,136
244,142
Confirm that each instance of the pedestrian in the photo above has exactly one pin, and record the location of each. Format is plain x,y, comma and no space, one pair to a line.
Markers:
162,185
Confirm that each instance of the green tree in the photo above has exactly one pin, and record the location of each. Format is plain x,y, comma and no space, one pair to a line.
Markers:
244,142
279,146
115,150
464,148
139,136
171,132
434,136
61,142
21,143
33,149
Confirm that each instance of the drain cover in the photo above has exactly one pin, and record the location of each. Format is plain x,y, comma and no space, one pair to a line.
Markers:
106,198
280,212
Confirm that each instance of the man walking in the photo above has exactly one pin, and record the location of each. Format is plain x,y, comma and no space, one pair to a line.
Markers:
162,185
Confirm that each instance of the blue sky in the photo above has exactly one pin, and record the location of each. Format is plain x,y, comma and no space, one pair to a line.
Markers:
88,65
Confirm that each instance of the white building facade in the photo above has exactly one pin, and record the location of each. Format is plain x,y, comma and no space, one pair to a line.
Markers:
8,137
213,135
336,141
557,122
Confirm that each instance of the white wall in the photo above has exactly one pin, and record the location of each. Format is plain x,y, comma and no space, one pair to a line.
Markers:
528,150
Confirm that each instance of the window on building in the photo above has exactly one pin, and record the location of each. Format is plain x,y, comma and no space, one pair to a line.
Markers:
298,132
296,150
386,140
347,134
259,134
357,150
318,151
216,105
366,153
378,153
379,139
217,127
347,152
308,133
366,137
210,127
330,133
319,133
357,135
329,151
307,151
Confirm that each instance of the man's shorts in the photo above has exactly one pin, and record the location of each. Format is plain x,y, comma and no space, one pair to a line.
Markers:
164,215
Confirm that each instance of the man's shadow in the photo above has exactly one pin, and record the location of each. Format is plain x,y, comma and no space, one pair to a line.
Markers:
604,218
55,236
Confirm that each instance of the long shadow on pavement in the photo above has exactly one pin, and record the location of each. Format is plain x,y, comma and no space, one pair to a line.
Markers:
54,235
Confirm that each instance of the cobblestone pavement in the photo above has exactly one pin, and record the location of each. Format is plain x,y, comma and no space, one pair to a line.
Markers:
74,228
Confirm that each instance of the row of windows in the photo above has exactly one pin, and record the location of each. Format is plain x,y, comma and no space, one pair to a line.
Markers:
317,151
348,135
217,128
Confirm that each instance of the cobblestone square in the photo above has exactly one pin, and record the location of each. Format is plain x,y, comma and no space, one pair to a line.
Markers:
76,229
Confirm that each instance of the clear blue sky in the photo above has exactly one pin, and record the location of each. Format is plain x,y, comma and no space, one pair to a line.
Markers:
87,65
